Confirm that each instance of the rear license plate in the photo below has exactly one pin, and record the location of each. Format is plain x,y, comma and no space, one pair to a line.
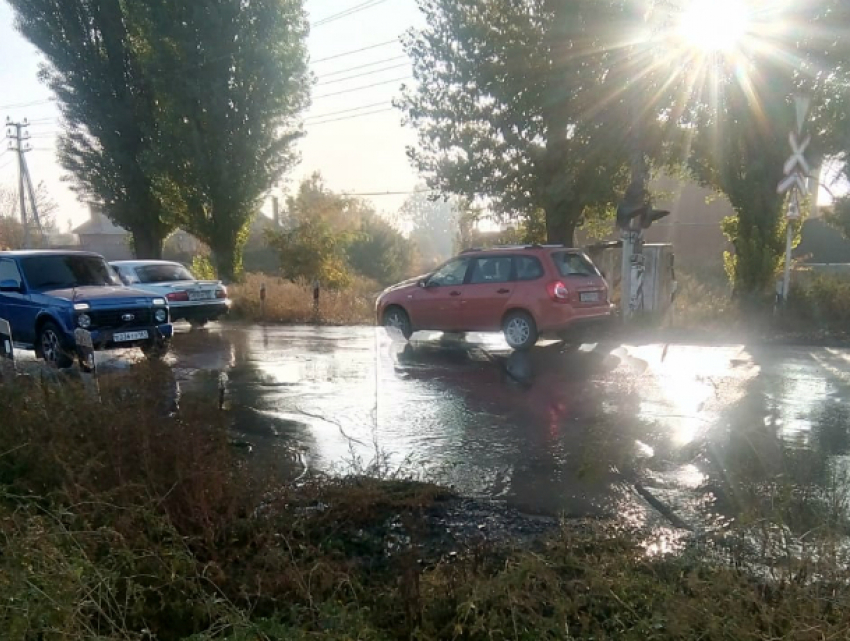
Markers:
128,337
201,295
589,297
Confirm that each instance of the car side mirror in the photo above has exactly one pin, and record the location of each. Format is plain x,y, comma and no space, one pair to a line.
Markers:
10,286
423,283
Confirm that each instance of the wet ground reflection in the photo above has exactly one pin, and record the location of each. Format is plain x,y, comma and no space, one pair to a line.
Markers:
650,433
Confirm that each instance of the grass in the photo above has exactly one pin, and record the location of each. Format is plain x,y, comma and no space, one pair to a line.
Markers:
122,519
292,303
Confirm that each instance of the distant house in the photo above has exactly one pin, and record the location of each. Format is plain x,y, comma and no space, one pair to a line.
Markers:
101,236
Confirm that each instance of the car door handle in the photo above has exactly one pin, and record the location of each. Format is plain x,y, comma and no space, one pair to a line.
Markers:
504,291
455,294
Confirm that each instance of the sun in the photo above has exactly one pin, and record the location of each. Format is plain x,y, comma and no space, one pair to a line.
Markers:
714,25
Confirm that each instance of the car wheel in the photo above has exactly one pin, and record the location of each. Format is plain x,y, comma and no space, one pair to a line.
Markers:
156,349
51,348
520,330
397,318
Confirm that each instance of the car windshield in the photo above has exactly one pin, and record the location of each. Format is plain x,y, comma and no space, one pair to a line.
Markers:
163,273
574,264
62,272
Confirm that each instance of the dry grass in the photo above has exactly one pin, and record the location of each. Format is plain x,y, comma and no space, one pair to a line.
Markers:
123,520
292,303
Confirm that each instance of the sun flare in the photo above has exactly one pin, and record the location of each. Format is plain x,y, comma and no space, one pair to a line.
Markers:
714,25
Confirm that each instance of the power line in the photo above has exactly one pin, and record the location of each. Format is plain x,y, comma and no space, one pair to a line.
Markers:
377,84
371,64
360,75
353,51
346,111
368,113
390,193
25,104
348,12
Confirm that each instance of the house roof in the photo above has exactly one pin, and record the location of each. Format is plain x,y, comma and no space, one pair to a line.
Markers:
100,226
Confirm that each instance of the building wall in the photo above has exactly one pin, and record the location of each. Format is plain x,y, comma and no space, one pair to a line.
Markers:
111,247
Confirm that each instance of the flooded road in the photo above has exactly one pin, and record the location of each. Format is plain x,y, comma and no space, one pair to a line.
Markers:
674,433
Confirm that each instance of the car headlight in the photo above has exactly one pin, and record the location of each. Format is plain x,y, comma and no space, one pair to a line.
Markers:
159,301
84,321
161,315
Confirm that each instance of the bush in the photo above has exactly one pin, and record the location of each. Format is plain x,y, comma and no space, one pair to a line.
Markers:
822,301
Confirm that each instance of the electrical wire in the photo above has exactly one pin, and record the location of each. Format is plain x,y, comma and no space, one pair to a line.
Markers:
345,111
368,113
25,104
347,12
371,64
391,193
354,89
345,54
360,75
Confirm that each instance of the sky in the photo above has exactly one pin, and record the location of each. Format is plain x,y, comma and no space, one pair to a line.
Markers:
361,155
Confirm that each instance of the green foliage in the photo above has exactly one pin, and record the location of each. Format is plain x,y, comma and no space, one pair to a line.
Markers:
330,236
821,301
202,268
528,104
378,251
231,80
109,109
312,250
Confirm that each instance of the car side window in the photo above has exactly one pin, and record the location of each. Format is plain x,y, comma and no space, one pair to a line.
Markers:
574,264
528,268
491,269
452,273
9,271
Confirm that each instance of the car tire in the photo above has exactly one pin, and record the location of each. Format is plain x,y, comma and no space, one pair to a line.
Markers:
397,318
156,349
51,347
520,330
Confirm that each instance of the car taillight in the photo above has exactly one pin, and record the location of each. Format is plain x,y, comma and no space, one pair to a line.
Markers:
221,292
558,292
178,296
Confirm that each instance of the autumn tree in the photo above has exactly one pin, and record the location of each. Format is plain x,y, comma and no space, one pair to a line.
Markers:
435,225
231,81
108,107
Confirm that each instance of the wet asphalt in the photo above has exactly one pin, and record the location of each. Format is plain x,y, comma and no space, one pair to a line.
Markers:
650,434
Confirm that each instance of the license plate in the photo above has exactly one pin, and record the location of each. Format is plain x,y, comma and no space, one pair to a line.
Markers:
127,337
201,295
589,297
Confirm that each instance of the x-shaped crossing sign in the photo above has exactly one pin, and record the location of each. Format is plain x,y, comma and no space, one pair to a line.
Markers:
794,180
798,158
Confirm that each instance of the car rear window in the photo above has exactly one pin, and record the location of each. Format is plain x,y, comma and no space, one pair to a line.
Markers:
163,274
574,264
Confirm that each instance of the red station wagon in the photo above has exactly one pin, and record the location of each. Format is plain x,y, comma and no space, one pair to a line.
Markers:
526,292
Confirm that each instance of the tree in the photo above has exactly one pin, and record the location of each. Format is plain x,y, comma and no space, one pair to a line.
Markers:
331,236
108,108
11,229
738,135
379,251
231,79
435,226
531,105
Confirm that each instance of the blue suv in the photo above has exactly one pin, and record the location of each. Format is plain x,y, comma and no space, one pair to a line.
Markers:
47,295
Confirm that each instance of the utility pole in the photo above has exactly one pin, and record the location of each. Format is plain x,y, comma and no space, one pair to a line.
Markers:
16,133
